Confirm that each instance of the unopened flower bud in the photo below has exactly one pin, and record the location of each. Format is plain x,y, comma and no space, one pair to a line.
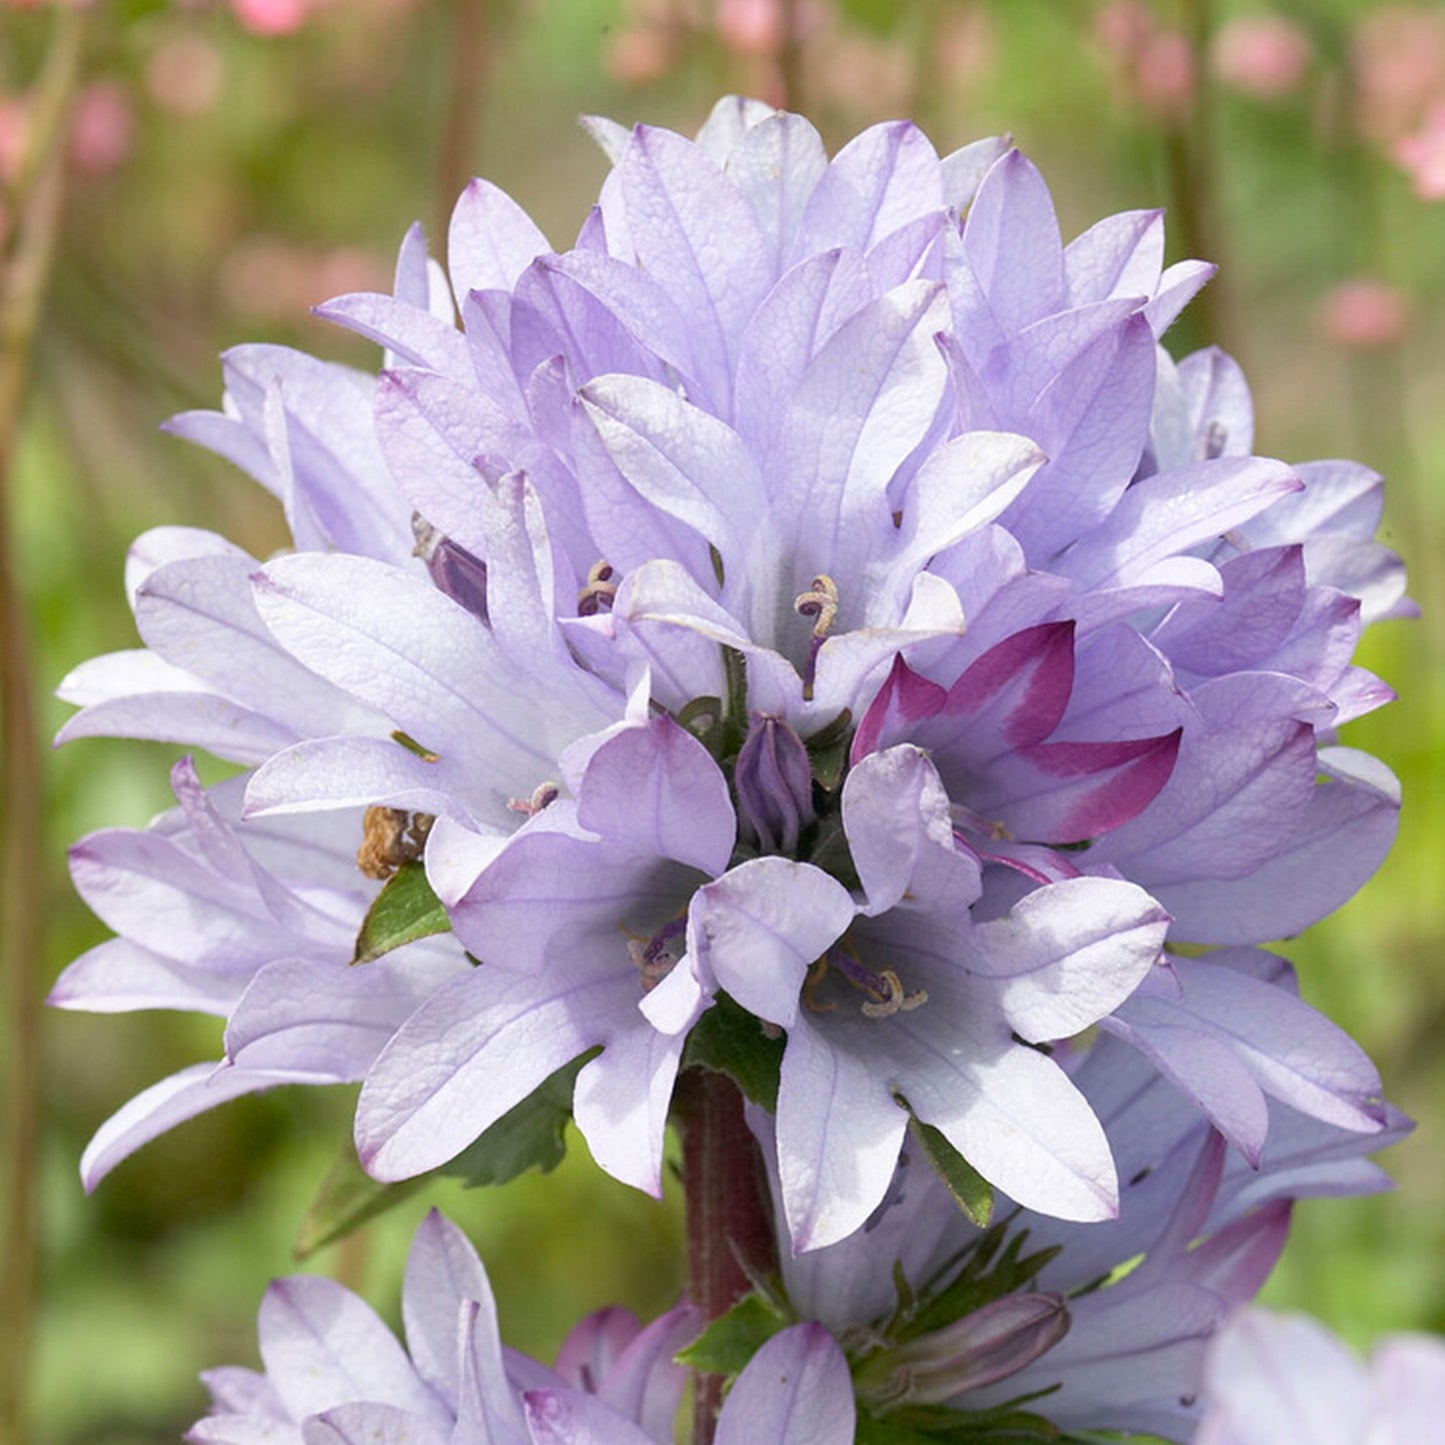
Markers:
774,780
990,1344
453,569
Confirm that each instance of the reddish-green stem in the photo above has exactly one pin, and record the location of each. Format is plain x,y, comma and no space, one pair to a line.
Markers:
730,1236
37,196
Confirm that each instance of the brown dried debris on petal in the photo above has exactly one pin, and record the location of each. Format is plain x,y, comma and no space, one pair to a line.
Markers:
389,838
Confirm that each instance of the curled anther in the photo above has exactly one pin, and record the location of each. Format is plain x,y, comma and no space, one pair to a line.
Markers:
819,603
597,596
389,838
811,985
896,999
542,795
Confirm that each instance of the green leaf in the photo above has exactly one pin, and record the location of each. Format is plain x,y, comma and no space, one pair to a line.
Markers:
971,1191
889,1432
530,1135
728,1040
828,750
932,1424
731,1340
405,910
347,1199
988,1273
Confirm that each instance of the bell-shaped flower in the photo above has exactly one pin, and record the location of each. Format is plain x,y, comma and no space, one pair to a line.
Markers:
334,1374
1270,1378
255,923
903,1003
581,925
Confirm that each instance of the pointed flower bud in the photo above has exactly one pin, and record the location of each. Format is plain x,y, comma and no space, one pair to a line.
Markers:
989,1344
774,780
454,570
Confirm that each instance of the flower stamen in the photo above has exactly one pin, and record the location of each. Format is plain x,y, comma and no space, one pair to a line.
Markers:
542,795
821,604
655,957
597,596
896,999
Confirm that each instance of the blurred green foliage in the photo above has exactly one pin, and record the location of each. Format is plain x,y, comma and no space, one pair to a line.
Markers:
260,175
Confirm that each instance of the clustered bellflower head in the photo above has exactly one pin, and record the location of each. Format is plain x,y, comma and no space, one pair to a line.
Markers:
920,1319
334,1374
814,598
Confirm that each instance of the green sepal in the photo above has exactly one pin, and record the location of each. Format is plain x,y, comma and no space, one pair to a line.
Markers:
406,909
990,1270
828,750
530,1135
703,718
970,1190
933,1424
729,1040
347,1199
731,1340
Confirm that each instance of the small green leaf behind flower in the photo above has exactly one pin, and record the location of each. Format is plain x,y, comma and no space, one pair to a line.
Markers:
530,1135
405,910
731,1340
970,1190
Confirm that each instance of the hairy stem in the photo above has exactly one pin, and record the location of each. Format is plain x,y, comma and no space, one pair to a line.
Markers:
37,196
730,1237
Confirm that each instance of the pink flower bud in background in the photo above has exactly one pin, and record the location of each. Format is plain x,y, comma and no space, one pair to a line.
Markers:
1122,28
270,17
270,279
639,54
1363,314
1152,67
103,130
184,75
1265,56
750,27
1422,154
1400,68
1165,79
966,42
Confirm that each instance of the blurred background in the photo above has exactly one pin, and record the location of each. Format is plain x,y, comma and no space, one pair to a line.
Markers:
227,166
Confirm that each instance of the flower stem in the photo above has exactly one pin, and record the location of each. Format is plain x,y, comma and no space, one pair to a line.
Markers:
37,196
468,57
730,1237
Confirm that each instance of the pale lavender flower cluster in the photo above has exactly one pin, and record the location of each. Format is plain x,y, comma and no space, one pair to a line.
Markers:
919,1311
817,598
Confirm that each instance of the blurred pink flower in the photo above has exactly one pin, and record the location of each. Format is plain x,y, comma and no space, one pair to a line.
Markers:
867,76
1400,68
1422,154
966,42
1152,67
750,27
184,75
103,129
1363,314
271,17
1165,79
1122,27
270,279
1265,56
639,54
